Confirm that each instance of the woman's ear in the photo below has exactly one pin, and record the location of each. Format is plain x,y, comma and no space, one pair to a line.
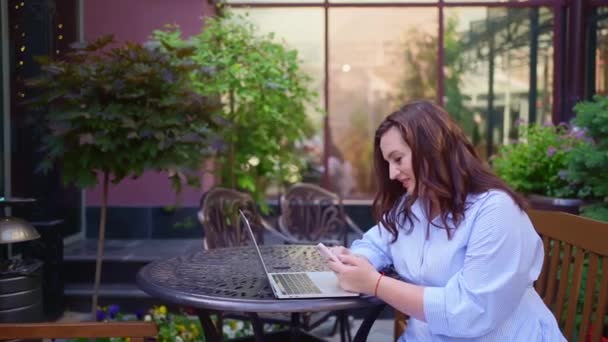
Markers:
200,216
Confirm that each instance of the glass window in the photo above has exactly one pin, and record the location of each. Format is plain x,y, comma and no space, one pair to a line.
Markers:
601,52
468,1
378,59
499,71
273,1
287,24
356,2
3,112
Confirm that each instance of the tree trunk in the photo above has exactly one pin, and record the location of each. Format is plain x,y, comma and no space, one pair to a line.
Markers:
231,162
100,243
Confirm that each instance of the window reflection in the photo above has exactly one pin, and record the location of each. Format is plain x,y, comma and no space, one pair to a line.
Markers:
378,59
287,24
271,1
382,1
601,52
499,71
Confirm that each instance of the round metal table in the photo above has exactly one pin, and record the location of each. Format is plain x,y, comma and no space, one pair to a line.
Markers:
232,279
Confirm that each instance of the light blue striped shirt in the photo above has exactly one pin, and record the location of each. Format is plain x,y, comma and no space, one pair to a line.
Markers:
479,284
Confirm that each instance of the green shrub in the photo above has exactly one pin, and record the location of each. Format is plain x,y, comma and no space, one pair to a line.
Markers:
589,161
538,162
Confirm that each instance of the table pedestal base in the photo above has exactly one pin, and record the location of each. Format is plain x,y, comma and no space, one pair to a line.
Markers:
293,334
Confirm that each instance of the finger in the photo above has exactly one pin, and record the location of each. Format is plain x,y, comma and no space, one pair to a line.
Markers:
336,266
337,250
350,259
345,250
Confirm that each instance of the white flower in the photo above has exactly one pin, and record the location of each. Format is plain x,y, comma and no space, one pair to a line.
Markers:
254,161
147,318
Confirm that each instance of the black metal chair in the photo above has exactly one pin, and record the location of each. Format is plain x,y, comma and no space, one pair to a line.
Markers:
219,216
311,214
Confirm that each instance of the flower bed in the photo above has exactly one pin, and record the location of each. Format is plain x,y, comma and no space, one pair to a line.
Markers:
183,326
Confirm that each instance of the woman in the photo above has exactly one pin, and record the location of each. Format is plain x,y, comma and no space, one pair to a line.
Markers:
457,236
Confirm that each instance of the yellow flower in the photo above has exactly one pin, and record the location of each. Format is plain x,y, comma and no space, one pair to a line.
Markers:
162,310
181,327
194,329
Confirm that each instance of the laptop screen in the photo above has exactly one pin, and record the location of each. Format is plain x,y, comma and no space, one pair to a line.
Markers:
255,243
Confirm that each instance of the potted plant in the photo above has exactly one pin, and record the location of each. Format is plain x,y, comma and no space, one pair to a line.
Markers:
265,96
537,166
118,112
588,161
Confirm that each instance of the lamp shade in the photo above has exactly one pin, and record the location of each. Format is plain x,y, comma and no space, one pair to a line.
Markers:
13,230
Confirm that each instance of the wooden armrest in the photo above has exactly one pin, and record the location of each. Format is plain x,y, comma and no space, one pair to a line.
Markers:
136,330
400,324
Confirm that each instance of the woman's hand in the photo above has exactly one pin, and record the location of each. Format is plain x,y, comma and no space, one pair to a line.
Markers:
355,274
339,250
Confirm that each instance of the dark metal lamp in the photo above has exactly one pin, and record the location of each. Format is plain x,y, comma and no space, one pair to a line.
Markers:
14,230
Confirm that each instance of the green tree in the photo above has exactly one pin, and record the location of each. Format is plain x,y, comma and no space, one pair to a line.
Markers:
420,71
264,95
589,161
119,112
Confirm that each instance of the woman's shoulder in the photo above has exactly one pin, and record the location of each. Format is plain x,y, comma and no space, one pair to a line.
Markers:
493,198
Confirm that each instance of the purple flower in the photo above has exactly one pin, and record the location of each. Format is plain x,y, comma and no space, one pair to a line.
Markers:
551,151
101,315
113,310
85,139
578,133
167,76
519,121
139,314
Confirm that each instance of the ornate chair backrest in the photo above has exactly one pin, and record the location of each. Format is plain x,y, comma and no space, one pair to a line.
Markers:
574,278
311,213
220,218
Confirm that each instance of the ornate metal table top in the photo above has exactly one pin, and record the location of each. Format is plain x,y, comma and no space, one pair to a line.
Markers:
232,279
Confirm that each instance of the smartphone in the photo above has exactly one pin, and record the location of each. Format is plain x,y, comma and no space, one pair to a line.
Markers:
327,253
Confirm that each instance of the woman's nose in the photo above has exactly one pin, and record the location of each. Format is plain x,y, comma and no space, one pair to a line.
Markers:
392,172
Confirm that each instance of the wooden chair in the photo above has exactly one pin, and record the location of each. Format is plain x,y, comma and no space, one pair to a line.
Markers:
574,279
137,331
311,214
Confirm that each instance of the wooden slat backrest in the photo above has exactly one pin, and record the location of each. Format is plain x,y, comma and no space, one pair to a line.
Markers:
137,331
574,246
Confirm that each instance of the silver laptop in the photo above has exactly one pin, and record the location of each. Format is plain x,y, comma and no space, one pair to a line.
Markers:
300,284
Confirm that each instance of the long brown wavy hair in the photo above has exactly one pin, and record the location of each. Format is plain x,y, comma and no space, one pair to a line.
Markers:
445,164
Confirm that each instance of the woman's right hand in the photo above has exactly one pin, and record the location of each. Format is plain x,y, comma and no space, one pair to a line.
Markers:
340,250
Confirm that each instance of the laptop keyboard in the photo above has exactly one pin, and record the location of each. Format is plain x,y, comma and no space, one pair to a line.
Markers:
296,283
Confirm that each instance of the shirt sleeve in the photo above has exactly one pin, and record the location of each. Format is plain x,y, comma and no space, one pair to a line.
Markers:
503,258
374,245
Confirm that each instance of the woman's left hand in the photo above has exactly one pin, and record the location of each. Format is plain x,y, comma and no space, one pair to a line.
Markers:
355,273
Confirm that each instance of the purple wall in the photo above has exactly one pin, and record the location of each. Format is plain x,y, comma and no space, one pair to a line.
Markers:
134,21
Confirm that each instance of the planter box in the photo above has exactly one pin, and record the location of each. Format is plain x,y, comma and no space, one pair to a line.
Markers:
568,205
